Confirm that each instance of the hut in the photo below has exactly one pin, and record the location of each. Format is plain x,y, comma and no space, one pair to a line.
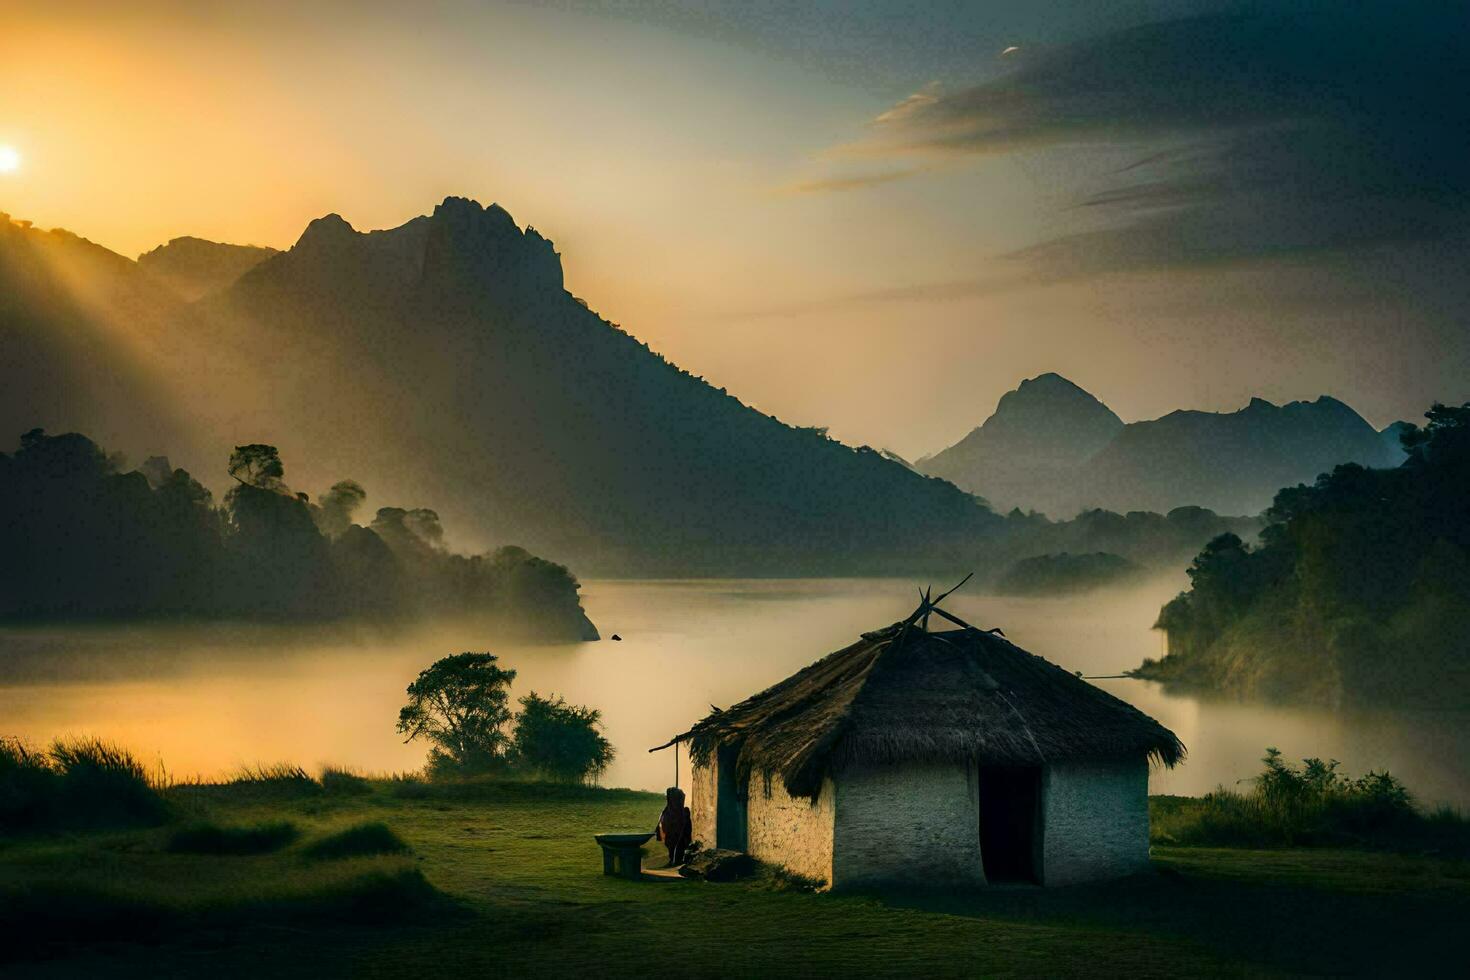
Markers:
947,758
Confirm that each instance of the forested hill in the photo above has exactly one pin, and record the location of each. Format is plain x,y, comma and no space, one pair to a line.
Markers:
1358,592
447,358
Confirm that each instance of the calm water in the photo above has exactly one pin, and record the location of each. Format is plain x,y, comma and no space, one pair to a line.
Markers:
205,700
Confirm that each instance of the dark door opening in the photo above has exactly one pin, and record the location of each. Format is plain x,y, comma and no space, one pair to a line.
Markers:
1009,817
729,802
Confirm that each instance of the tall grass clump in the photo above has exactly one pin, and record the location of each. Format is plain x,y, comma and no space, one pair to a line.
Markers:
1314,805
281,780
76,783
211,838
357,841
344,782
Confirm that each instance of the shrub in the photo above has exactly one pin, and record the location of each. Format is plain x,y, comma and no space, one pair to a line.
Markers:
209,838
356,841
560,741
1315,805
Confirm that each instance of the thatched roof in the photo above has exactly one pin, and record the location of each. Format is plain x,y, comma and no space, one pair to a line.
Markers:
903,694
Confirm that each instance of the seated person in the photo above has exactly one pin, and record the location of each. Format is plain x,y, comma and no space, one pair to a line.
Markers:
675,826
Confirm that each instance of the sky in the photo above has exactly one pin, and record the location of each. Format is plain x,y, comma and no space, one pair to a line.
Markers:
874,216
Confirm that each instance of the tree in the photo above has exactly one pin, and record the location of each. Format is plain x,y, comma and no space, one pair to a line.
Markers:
257,465
560,741
460,704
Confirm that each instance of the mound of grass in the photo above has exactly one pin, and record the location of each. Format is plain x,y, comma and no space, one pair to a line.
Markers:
357,841
35,916
278,781
211,838
1314,806
53,917
377,896
75,784
344,782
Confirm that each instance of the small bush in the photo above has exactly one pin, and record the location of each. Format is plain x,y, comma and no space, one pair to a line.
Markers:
280,780
209,838
344,782
356,841
1312,806
77,783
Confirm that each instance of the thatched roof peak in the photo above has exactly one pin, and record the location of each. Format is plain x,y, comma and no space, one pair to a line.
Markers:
904,694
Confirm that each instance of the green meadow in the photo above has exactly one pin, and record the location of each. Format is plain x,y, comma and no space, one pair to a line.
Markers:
284,876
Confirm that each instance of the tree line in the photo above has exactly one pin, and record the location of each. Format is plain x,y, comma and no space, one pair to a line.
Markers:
1358,589
84,537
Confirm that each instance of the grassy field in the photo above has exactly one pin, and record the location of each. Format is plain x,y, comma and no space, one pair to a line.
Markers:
504,879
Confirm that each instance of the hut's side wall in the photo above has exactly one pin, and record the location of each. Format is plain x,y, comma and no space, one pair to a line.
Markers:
703,802
906,824
790,831
1095,818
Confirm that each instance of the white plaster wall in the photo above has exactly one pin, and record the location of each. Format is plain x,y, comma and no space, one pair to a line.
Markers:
1095,816
908,824
702,786
792,831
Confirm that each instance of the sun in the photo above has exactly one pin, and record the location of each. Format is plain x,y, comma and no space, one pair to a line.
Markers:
9,159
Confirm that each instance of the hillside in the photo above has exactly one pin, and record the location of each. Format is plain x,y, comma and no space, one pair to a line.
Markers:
192,267
1356,594
1054,448
444,360
80,333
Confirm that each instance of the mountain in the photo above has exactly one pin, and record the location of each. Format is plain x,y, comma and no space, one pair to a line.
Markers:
1231,462
1055,448
445,360
192,267
1040,433
80,330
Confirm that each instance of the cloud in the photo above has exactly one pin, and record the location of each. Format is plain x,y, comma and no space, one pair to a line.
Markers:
851,183
1257,133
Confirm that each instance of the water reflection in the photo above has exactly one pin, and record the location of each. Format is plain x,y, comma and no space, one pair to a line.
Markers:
206,699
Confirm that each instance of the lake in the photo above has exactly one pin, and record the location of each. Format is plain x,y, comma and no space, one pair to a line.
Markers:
203,700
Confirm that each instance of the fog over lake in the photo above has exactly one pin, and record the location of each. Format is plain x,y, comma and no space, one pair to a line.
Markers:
206,699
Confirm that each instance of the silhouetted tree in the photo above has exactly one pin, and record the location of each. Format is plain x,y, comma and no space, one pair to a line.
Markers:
461,705
257,465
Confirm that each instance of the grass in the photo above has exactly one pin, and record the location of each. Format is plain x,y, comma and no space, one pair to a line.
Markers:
80,783
504,879
344,782
365,838
279,780
211,838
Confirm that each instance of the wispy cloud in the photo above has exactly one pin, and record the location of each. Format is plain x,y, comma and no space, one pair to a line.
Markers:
851,182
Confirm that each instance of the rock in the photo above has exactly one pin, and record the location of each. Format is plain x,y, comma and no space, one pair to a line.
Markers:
720,864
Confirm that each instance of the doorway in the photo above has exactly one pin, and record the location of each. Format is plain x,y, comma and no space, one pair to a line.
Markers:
1010,818
729,801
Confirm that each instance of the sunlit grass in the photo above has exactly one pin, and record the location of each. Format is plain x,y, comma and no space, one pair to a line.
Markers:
504,877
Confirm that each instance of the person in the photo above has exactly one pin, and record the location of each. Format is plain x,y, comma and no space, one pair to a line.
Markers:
675,826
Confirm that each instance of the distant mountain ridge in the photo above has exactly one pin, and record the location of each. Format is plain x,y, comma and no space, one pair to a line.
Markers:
1041,431
1053,447
193,267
